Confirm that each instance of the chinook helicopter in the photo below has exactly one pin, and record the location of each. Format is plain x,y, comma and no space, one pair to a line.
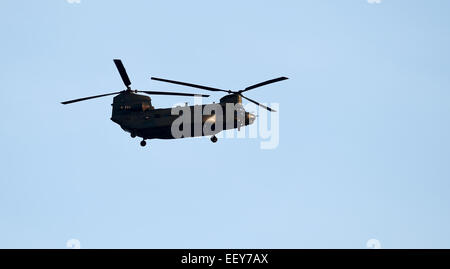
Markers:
135,114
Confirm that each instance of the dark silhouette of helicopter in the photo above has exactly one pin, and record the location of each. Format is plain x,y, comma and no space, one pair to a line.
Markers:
136,115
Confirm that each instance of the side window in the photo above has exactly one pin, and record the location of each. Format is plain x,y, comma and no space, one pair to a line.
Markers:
145,106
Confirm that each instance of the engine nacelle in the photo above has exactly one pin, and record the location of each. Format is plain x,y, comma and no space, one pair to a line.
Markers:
231,98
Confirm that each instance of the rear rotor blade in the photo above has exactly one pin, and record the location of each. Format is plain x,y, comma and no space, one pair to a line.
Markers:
264,83
173,93
87,98
122,72
190,85
253,101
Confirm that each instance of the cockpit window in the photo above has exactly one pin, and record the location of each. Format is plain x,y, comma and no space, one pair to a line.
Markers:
145,106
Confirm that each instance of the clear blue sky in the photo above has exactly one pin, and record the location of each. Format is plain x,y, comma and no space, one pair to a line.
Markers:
364,125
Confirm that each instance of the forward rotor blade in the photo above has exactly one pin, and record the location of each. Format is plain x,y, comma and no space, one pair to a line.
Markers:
122,72
264,83
190,85
87,98
173,93
253,101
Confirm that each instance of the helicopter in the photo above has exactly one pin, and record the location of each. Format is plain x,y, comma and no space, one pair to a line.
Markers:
135,114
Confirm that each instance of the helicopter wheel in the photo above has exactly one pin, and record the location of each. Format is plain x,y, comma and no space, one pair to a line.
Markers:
143,143
133,135
213,139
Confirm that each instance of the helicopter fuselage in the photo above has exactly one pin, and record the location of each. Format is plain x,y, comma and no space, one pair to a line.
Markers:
136,115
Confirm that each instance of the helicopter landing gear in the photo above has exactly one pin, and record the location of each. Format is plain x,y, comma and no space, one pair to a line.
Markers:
143,143
133,135
213,139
